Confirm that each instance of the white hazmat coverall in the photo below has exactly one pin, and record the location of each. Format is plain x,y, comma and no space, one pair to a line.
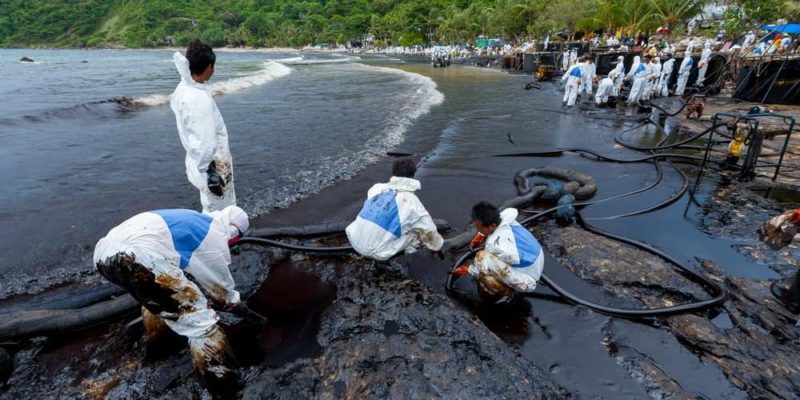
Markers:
393,220
591,71
604,90
656,76
150,255
573,78
666,73
683,73
619,75
511,255
639,75
204,137
703,64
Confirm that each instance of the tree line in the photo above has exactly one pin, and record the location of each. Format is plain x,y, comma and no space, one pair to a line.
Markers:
262,23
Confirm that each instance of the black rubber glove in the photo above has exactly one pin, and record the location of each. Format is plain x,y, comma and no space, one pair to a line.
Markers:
215,182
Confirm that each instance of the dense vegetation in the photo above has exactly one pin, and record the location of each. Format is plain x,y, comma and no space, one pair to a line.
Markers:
149,23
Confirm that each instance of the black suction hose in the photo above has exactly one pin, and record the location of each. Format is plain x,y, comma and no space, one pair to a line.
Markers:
294,247
675,197
618,139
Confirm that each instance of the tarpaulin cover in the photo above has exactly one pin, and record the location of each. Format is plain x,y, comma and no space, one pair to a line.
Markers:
785,28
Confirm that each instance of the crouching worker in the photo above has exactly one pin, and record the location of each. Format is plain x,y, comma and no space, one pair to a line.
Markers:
150,255
512,260
393,219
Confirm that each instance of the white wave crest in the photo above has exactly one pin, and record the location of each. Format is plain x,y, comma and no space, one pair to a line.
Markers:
422,97
314,61
271,71
425,97
288,60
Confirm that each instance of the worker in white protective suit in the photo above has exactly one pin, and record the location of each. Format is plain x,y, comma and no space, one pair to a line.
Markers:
589,73
573,57
647,87
705,56
573,78
683,72
655,77
565,60
511,260
749,39
605,89
150,256
209,166
619,75
638,74
393,219
666,73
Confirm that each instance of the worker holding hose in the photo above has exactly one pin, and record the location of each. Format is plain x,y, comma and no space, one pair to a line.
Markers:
150,254
511,260
393,219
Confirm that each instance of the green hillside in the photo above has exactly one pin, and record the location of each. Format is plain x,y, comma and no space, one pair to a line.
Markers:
153,23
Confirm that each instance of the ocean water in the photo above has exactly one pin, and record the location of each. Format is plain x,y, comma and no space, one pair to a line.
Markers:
88,138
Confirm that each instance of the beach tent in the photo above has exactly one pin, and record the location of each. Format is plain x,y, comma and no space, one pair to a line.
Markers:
792,29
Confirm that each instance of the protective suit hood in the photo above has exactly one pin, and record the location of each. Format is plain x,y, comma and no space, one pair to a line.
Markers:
405,184
508,216
182,65
232,215
637,60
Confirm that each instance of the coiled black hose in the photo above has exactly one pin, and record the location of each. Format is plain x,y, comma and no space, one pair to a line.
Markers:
718,293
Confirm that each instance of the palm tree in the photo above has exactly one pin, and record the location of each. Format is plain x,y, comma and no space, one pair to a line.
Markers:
607,16
526,11
637,16
792,9
671,12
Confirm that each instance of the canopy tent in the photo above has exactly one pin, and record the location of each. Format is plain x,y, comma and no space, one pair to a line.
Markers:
785,28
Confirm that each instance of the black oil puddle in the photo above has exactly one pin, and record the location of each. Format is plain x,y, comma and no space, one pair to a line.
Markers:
293,301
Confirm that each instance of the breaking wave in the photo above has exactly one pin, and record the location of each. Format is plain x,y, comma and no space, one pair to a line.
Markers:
420,96
271,71
315,61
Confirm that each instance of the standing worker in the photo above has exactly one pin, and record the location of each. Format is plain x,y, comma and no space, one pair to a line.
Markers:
683,72
565,60
703,64
639,75
393,219
666,73
573,83
619,75
590,71
209,166
655,77
512,260
150,254
647,86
